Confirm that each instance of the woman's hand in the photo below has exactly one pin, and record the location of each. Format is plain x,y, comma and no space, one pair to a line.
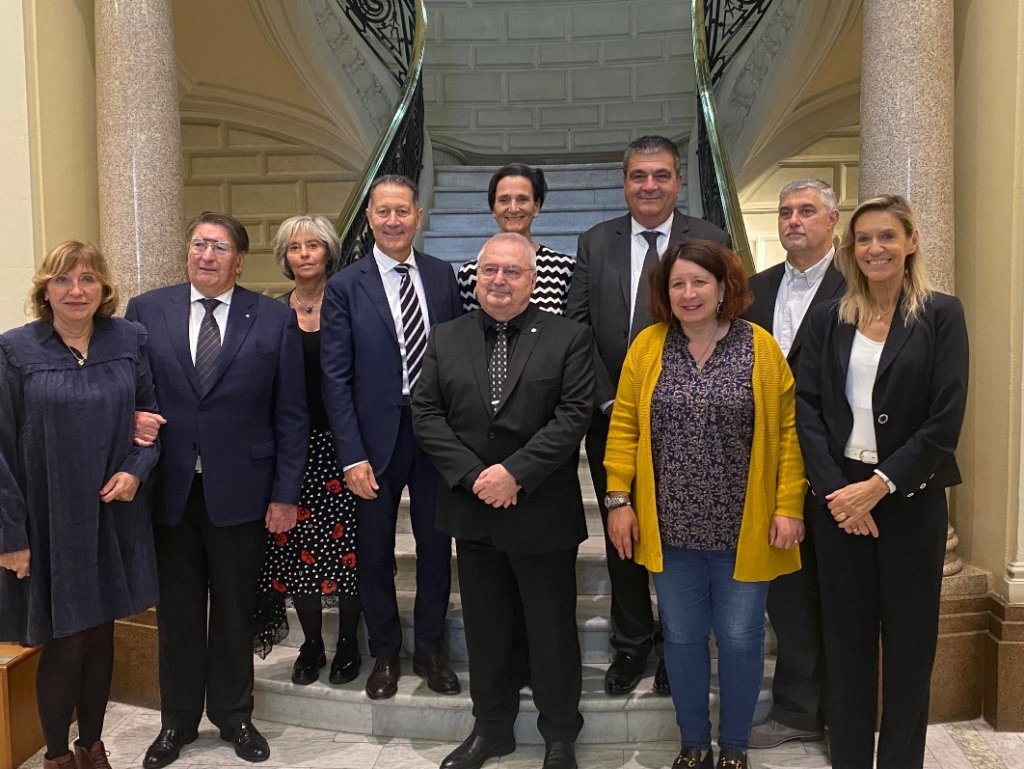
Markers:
785,532
16,561
121,486
851,504
623,530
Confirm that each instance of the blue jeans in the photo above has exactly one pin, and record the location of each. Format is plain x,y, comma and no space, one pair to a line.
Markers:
696,593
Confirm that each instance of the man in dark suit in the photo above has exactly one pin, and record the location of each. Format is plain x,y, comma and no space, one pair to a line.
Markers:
227,367
609,293
375,318
502,405
783,294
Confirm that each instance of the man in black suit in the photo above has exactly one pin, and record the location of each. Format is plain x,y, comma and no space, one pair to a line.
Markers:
609,293
783,294
227,367
503,402
375,318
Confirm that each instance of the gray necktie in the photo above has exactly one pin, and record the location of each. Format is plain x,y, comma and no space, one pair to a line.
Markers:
643,293
498,368
412,323
207,346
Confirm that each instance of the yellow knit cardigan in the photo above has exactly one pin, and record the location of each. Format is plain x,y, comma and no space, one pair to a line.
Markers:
775,481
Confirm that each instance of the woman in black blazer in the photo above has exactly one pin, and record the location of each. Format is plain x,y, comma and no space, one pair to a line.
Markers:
880,401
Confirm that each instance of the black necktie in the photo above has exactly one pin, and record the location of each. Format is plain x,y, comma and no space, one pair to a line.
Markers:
208,345
498,368
412,323
643,293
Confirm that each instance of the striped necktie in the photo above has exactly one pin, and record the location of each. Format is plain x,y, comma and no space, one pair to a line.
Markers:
412,323
207,346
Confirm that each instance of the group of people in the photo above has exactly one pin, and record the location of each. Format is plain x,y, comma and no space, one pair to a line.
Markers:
782,443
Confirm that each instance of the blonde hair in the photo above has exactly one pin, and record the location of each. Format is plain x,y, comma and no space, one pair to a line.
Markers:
64,258
856,302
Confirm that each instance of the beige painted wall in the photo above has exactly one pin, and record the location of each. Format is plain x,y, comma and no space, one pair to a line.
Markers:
989,176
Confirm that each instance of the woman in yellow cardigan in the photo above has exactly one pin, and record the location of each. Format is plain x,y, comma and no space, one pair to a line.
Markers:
703,432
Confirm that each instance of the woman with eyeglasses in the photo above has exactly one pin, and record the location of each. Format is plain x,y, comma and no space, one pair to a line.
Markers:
515,195
76,540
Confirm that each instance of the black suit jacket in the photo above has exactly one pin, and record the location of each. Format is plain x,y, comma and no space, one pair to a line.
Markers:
600,289
764,286
535,431
918,401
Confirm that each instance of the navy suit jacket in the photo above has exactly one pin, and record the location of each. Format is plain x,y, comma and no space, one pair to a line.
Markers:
360,358
252,426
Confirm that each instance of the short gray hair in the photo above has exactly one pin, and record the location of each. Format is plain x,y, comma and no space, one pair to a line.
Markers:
317,226
825,191
511,237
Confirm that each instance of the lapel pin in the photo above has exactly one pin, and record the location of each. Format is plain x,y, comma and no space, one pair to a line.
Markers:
533,330
248,315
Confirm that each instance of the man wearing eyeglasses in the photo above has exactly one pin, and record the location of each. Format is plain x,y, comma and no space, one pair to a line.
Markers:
227,366
502,405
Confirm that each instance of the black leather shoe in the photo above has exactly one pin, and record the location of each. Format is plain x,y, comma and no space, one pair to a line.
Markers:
732,758
440,677
689,758
382,683
560,755
311,658
166,748
661,684
250,745
624,673
346,662
472,753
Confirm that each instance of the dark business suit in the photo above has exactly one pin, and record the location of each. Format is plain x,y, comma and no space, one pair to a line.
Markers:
362,381
520,561
599,297
794,605
250,429
892,582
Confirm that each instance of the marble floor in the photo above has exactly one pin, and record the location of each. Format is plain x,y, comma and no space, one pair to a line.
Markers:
129,730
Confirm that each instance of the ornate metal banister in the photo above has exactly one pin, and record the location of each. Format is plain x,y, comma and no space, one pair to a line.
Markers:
395,31
720,28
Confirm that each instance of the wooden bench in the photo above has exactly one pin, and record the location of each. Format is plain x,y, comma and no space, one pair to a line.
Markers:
20,733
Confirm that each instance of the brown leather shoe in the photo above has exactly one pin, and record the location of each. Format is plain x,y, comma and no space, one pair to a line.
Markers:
440,677
67,761
382,683
93,757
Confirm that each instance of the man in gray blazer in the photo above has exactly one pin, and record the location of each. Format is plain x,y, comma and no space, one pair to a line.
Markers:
609,293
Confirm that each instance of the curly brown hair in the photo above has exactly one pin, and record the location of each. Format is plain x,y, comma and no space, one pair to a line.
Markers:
721,262
63,258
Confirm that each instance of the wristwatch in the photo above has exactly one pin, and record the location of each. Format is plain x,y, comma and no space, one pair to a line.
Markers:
611,501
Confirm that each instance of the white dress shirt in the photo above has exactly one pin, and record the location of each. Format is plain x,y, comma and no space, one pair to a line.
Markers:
796,291
638,251
197,312
392,287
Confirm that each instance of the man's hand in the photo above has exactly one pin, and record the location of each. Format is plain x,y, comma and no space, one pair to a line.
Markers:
361,481
623,530
281,517
16,561
496,487
784,532
147,427
121,486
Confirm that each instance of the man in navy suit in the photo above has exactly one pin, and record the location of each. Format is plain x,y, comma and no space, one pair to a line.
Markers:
227,366
375,318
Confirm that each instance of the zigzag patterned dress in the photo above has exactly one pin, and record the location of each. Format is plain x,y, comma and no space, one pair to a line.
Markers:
554,274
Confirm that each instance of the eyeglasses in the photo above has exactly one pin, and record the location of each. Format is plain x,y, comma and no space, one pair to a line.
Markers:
491,271
220,247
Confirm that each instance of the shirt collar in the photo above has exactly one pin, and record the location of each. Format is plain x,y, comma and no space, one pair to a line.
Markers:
516,324
224,298
665,228
815,272
385,263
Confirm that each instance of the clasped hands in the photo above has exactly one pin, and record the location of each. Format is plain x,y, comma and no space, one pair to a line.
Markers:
496,487
17,561
851,505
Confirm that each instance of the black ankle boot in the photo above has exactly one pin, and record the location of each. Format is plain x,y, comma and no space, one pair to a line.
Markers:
311,658
345,666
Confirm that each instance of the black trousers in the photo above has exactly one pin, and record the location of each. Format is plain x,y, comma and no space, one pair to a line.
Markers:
886,588
634,630
794,608
375,547
500,589
206,617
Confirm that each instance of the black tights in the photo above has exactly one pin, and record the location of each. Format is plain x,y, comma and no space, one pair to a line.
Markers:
311,618
74,672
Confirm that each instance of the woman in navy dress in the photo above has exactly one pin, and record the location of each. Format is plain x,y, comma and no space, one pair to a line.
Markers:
76,542
314,564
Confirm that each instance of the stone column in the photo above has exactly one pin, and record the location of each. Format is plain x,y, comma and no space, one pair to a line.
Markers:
906,130
139,144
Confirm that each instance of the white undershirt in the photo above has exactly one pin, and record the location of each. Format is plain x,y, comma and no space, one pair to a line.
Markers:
860,384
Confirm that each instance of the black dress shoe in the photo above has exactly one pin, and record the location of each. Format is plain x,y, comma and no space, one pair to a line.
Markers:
382,683
661,684
440,677
472,753
732,758
624,673
560,755
250,745
166,748
345,666
689,758
311,658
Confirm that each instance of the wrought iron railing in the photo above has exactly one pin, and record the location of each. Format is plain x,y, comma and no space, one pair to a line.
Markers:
720,28
395,31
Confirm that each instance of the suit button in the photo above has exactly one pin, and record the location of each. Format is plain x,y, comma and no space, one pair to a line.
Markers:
883,418
490,435
924,486
910,494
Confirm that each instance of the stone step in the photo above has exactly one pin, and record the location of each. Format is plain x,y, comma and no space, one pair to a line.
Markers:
561,175
472,221
418,713
567,198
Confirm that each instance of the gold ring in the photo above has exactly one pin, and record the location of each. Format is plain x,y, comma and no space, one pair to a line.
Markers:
842,517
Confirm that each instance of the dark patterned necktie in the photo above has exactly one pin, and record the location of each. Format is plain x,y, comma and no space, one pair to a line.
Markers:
207,346
643,292
498,368
412,323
